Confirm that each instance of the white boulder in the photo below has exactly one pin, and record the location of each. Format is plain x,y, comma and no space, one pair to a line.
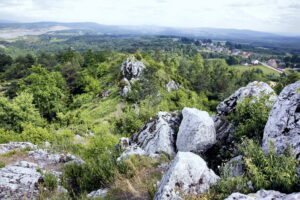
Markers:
196,132
187,174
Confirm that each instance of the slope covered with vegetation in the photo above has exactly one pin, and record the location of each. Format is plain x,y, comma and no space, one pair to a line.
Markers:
72,99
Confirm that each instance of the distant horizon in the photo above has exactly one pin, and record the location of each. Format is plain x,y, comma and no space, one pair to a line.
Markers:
272,16
150,25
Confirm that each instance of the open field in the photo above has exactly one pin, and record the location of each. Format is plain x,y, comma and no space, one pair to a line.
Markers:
266,70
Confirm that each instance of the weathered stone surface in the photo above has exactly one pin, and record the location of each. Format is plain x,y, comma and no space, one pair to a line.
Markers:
43,157
98,193
196,132
264,195
19,181
187,174
158,135
283,126
132,150
225,108
4,148
234,167
172,85
131,70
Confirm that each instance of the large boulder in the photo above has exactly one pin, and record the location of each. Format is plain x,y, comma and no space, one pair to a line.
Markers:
159,135
187,174
225,108
196,132
283,126
264,195
19,181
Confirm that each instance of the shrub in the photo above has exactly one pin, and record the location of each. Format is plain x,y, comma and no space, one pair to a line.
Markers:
250,117
270,171
36,135
50,181
2,164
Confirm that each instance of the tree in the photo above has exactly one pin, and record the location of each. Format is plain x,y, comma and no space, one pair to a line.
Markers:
232,60
48,90
5,60
20,110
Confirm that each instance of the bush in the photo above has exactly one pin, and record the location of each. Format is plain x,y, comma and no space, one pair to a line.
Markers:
36,135
250,117
97,172
270,171
50,181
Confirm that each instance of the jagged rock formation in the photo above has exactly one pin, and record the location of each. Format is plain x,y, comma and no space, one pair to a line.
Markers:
131,70
159,135
264,195
234,167
283,126
225,108
187,174
4,148
196,132
20,180
172,85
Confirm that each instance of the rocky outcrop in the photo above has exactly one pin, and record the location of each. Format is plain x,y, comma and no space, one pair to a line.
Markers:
172,85
131,70
13,146
225,108
19,181
43,157
159,135
283,126
187,174
196,132
235,167
264,195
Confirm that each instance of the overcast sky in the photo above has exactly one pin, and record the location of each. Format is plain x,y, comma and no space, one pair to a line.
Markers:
281,16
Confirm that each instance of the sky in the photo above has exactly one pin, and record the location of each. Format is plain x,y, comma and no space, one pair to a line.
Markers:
277,16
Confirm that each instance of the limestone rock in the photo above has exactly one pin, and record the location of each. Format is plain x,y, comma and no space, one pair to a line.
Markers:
283,126
4,148
158,135
187,174
264,195
19,181
131,71
132,68
98,193
254,89
43,157
196,132
172,85
234,167
132,150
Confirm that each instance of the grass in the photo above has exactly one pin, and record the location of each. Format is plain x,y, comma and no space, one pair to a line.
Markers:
265,70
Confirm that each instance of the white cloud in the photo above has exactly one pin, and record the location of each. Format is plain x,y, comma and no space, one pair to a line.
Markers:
263,15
